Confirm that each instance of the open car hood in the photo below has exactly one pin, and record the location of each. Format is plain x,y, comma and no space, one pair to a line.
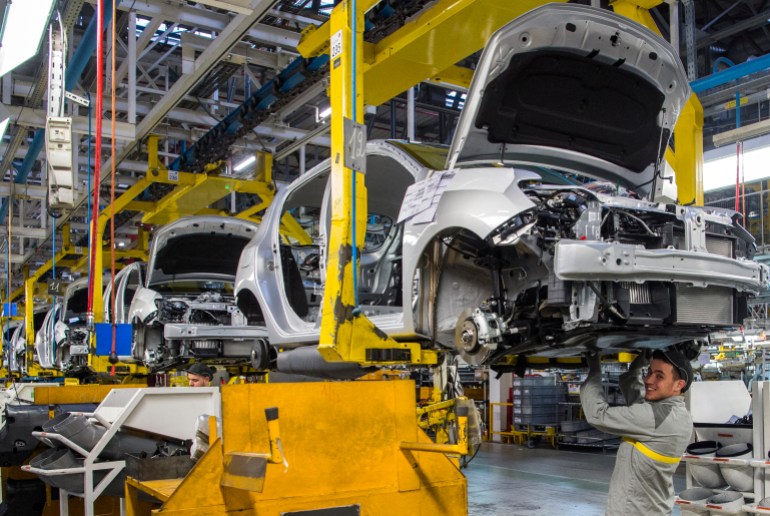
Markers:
198,248
573,87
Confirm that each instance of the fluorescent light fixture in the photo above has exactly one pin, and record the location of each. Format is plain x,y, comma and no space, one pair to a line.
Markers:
24,23
325,113
720,172
245,163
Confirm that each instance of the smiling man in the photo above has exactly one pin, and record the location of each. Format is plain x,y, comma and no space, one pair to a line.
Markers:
655,427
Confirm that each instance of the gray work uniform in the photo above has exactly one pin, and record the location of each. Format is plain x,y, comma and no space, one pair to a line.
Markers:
655,435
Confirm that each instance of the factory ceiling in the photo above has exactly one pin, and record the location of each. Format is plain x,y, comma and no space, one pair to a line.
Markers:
197,61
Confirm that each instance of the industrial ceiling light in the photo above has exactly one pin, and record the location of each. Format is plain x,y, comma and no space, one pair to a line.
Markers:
322,115
22,30
245,163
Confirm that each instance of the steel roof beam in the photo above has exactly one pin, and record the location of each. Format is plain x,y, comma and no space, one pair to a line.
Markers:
734,28
213,21
231,35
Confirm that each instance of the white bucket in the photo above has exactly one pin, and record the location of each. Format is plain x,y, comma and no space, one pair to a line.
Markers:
706,475
694,495
727,502
740,478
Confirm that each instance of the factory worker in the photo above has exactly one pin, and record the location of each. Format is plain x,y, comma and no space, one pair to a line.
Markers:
655,428
199,375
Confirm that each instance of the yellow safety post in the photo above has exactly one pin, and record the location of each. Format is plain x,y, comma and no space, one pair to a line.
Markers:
29,315
346,105
274,435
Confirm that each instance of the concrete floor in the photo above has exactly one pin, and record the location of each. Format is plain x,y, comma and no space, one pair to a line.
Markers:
512,480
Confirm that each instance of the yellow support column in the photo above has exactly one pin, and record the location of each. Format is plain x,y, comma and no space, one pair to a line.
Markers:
688,159
346,103
29,317
96,273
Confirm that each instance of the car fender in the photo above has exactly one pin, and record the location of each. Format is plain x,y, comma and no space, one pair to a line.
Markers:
44,340
60,333
143,307
477,200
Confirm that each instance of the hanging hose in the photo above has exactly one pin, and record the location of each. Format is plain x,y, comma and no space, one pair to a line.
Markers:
7,306
97,155
743,186
737,176
88,190
51,333
113,354
740,181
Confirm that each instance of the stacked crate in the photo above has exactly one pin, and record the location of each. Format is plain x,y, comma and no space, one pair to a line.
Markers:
536,400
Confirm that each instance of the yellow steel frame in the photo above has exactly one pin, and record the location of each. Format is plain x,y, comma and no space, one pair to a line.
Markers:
192,195
388,67
382,70
425,48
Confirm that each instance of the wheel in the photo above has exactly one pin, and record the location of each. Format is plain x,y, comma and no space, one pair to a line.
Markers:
530,443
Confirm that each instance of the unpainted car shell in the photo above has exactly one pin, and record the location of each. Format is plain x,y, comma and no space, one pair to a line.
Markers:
628,88
18,343
150,345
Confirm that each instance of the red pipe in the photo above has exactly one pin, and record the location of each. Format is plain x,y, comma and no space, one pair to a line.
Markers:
97,151
737,175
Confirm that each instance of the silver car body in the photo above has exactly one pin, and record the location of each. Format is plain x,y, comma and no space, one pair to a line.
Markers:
504,251
188,291
18,344
127,281
62,341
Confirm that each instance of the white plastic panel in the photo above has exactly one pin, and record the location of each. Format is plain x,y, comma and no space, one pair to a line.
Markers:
168,411
717,402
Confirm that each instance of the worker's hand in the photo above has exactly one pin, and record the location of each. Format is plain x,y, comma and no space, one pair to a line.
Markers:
642,360
594,362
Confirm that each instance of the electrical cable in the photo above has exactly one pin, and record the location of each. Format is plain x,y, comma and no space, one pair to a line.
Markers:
113,355
88,196
7,306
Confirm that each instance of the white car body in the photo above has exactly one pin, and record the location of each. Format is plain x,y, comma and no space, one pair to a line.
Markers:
18,343
188,291
500,249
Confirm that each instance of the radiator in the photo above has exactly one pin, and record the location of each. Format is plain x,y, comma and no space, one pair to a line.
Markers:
712,305
638,294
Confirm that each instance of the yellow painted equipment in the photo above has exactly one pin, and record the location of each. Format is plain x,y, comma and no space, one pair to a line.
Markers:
340,444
